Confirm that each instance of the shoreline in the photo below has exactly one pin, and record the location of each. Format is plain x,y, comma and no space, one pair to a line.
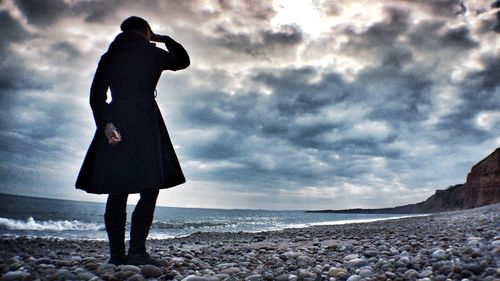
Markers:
451,245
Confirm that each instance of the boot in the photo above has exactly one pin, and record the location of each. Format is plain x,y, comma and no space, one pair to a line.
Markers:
115,227
139,231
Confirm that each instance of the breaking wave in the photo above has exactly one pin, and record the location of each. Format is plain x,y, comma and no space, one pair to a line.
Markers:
188,225
50,225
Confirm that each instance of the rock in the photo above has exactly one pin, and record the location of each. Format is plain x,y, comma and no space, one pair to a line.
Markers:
338,273
292,277
439,254
357,263
85,275
129,267
64,274
371,253
222,276
354,278
150,271
303,259
43,261
291,254
411,274
136,277
474,268
106,267
195,278
365,273
231,270
445,269
14,276
253,277
282,277
425,273
351,256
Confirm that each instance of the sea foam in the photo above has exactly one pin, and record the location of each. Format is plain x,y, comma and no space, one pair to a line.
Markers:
50,225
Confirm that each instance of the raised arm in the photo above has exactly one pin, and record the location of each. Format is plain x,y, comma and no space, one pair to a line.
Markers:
177,57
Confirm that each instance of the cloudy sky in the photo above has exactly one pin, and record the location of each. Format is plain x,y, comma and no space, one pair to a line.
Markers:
286,105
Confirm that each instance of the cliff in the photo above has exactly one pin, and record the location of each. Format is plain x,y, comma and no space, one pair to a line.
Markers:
481,188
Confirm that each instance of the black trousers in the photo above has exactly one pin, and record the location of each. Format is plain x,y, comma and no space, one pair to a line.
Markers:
116,206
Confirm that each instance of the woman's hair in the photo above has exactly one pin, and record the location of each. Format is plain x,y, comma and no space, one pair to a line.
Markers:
135,23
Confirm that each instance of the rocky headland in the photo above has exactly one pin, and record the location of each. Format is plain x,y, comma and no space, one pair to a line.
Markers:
459,245
481,188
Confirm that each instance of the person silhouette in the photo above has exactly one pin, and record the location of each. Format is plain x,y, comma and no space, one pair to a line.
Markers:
131,151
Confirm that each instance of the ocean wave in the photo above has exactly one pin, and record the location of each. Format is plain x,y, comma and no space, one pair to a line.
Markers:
50,225
188,225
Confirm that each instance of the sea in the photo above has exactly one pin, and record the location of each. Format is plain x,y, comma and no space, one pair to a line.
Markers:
22,216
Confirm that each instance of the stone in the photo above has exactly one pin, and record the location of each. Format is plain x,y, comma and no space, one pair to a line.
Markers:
337,272
14,276
365,273
253,277
64,274
411,274
231,270
351,256
150,271
293,277
43,261
357,263
425,273
445,269
129,267
195,278
85,275
222,276
439,254
354,278
371,253
106,267
136,277
474,268
282,277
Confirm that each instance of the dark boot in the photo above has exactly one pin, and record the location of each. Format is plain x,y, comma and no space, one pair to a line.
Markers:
139,231
115,227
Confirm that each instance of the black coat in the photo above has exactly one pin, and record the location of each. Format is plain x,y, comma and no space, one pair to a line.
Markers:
145,158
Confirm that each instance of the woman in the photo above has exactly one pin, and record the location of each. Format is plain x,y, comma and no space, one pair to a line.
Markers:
131,151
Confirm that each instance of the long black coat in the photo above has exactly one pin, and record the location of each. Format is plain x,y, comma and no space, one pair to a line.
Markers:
145,158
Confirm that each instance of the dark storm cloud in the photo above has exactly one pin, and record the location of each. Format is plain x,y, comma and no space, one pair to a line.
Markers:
43,13
436,35
265,43
266,107
480,91
440,8
15,75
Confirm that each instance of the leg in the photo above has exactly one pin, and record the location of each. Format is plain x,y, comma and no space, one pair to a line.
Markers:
142,218
115,219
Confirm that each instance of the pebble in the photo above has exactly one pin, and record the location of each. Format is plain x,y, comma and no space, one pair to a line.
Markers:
231,270
357,263
354,278
129,267
14,276
136,277
64,274
195,278
439,254
150,271
405,249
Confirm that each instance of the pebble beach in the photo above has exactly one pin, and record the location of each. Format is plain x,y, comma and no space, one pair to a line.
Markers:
459,245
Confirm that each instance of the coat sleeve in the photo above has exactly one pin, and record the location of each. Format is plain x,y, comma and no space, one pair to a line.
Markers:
176,58
98,97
